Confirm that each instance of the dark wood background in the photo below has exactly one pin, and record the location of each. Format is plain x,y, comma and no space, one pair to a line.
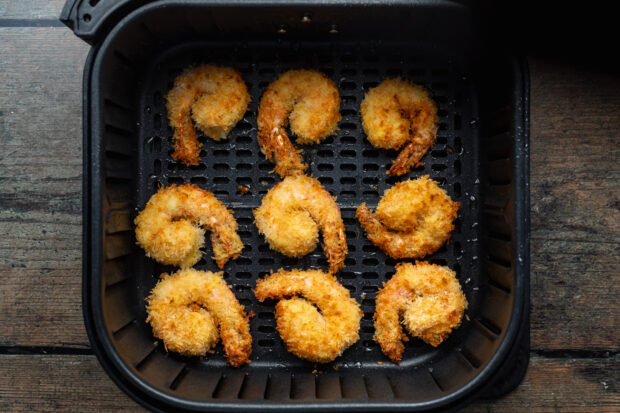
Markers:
45,359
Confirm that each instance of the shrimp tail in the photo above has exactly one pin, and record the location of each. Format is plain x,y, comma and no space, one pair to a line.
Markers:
391,340
409,157
278,148
226,246
423,137
238,349
376,231
235,335
186,145
335,246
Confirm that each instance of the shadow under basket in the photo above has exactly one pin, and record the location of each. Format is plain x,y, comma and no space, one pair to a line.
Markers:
480,158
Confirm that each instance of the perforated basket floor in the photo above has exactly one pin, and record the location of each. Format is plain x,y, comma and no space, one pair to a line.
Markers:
350,169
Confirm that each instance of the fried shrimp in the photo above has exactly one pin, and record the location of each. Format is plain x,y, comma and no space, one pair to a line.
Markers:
291,215
190,310
399,114
316,316
413,219
171,228
430,301
215,97
310,102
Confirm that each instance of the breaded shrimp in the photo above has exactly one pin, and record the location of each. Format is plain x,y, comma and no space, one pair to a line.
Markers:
307,99
427,297
399,113
414,218
316,316
170,228
186,310
215,96
291,215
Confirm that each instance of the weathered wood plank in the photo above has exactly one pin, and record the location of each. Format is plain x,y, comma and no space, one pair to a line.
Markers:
562,385
40,186
59,383
77,383
575,193
30,9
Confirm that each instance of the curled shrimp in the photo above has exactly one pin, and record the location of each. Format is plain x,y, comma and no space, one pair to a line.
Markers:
170,228
414,218
399,114
190,310
316,317
291,214
216,98
430,301
310,102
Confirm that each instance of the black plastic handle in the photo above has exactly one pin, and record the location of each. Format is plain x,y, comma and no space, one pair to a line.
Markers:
89,19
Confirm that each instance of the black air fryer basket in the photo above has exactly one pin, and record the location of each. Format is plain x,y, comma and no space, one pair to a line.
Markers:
480,157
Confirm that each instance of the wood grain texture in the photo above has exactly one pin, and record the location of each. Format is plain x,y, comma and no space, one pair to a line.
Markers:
59,383
575,207
562,385
40,187
30,9
77,383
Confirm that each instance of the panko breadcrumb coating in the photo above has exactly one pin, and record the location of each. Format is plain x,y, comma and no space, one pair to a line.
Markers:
291,215
399,114
191,309
170,228
215,97
430,301
316,316
310,102
414,218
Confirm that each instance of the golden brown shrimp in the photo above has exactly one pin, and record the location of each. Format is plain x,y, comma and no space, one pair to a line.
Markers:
186,310
310,102
318,335
170,228
414,218
427,297
291,215
215,96
399,113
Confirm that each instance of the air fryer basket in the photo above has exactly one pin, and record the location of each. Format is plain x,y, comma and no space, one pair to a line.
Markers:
480,158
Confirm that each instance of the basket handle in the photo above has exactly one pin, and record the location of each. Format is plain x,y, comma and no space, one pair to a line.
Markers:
91,19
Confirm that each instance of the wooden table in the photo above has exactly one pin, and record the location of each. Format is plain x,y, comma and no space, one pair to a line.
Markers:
45,359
